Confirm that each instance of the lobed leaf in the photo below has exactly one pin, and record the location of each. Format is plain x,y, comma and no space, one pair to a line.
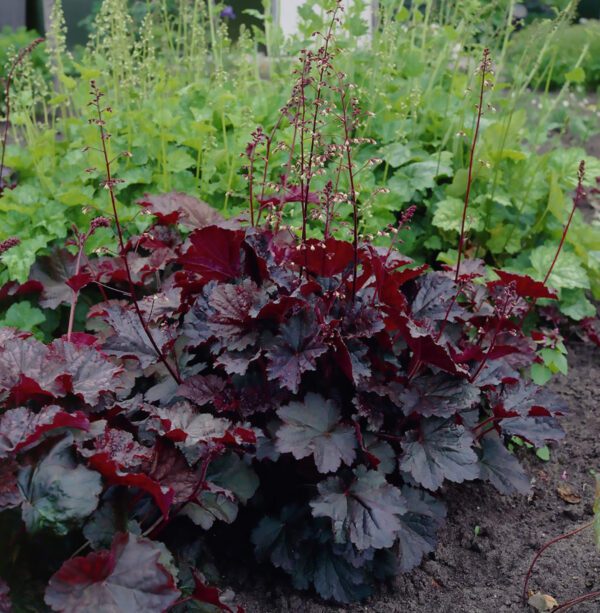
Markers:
312,427
366,514
127,578
439,450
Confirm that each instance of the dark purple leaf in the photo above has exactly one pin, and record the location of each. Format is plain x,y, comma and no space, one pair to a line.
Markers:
523,397
128,579
439,395
130,338
535,430
418,526
10,494
501,468
312,427
367,513
204,389
495,372
295,351
53,271
440,450
436,299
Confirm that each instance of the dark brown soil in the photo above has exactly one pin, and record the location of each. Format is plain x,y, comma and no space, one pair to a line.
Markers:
484,573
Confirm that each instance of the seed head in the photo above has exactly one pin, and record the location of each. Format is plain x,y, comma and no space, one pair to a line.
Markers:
9,243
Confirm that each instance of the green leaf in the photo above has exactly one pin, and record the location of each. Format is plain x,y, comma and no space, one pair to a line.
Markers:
540,374
23,316
555,360
448,216
574,304
59,493
567,273
396,154
423,175
556,199
179,160
543,453
577,75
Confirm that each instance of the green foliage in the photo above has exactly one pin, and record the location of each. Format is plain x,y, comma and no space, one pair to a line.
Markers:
185,99
575,55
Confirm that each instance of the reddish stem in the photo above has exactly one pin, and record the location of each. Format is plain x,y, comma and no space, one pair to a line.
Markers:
109,186
461,242
541,551
570,603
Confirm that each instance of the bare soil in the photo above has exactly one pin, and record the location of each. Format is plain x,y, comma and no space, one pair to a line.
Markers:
484,573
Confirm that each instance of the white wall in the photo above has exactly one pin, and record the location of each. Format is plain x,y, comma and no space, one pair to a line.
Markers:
286,11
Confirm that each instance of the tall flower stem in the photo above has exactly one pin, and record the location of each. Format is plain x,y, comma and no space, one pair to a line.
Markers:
109,185
485,68
9,78
577,200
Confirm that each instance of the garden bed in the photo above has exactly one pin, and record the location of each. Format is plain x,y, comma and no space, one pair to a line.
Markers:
484,573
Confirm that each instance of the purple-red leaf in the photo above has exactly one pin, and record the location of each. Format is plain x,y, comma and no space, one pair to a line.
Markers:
207,594
177,207
214,253
524,285
122,461
86,372
127,579
324,258
22,428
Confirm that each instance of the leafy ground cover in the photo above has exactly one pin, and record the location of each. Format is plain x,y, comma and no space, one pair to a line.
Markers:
489,539
306,387
281,379
418,75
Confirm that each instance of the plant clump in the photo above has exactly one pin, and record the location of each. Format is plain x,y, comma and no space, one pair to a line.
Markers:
304,378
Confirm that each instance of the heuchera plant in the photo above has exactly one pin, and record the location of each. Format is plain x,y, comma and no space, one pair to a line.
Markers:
338,379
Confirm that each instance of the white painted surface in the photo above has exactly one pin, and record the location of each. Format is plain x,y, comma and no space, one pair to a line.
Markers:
286,13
